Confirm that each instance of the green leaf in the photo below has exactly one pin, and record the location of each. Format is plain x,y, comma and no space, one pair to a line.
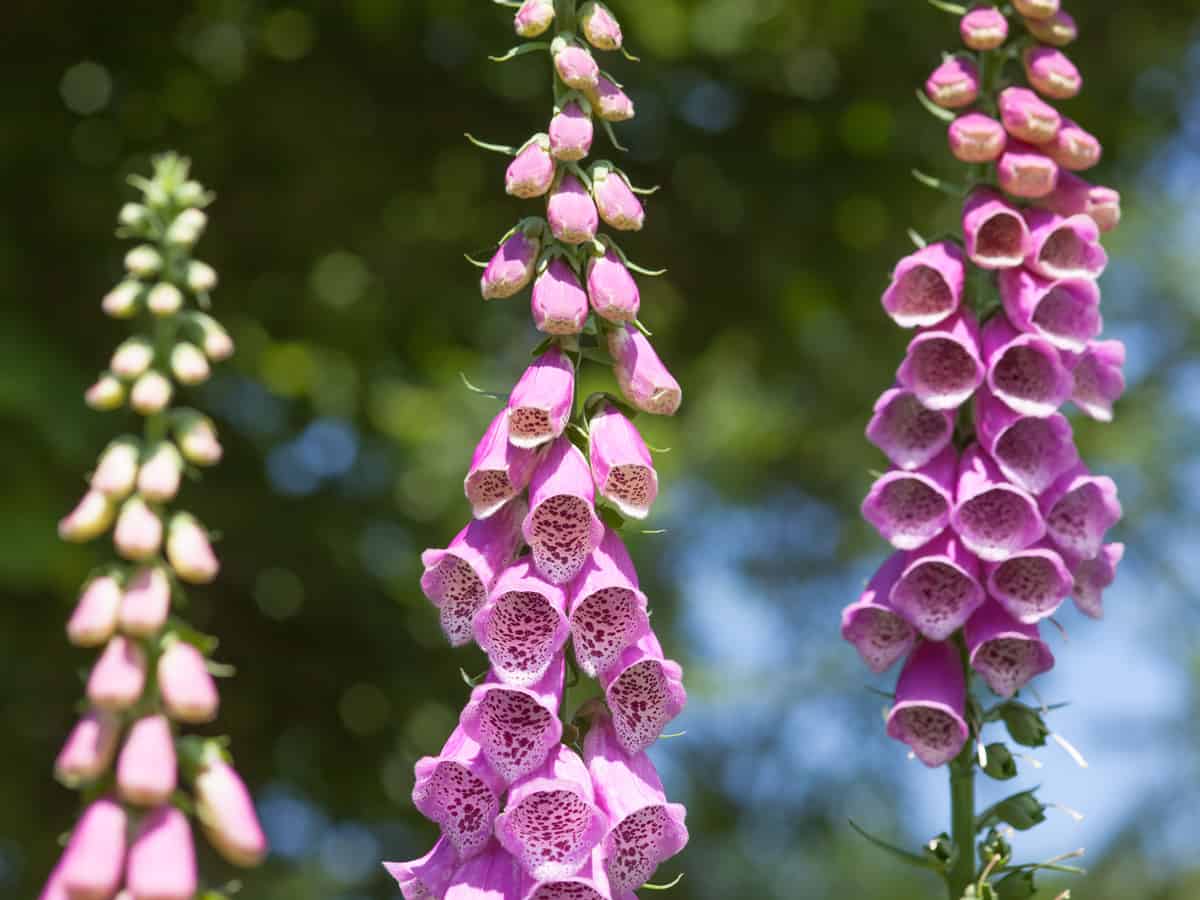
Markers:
933,109
495,148
521,50
953,8
612,135
913,235
629,56
478,390
913,859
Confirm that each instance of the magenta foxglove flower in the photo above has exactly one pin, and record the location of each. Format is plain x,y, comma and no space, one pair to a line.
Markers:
499,471
611,288
461,792
939,588
146,769
622,467
1099,379
516,727
1104,206
94,860
976,138
1064,311
159,477
1079,509
993,518
1025,371
644,692
644,380
609,102
1036,9
490,875
910,507
95,617
429,876
607,607
523,625
643,828
531,172
1058,30
878,632
615,200
954,84
534,17
600,26
89,519
457,579
983,28
571,133
151,393
1051,73
926,286
540,403
1092,576
1064,248
930,704
571,212
162,858
146,602
116,472
551,822
994,230
117,678
188,691
1025,171
189,550
908,432
1073,148
89,749
942,365
1028,117
511,268
562,528
226,813
139,530
1005,652
1031,584
590,882
574,65
1031,452
559,303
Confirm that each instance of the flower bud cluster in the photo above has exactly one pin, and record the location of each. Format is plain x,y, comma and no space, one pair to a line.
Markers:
152,675
541,564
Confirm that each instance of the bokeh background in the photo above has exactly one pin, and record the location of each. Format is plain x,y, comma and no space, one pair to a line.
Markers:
782,132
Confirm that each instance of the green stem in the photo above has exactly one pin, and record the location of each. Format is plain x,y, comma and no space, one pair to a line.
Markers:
564,15
962,805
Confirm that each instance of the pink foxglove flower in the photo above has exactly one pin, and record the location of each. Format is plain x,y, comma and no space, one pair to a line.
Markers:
983,28
1073,148
644,692
117,678
928,714
910,507
589,882
1025,171
1028,117
1036,9
926,286
574,65
622,467
146,768
89,749
531,172
116,472
541,401
146,602
1051,73
162,858
1025,371
158,478
1099,379
1058,30
139,530
189,365
611,289
95,617
609,102
1093,576
1080,508
190,551
909,433
106,394
460,791
607,607
1030,451
428,876
644,380
643,828
534,17
226,813
151,393
499,470
976,138
1104,206
122,301
523,625
954,84
89,519
198,440
942,365
516,727
562,528
600,26
939,588
616,202
490,875
995,231
1031,584
571,212
94,860
1064,311
992,517
879,633
511,268
571,132
188,691
1064,248
559,303
551,822
1005,652
132,358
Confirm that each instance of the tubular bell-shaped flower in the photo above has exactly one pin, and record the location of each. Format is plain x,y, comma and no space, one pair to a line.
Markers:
1025,371
1031,584
909,433
428,876
926,286
943,366
939,587
644,692
460,791
1005,652
1065,311
523,624
928,714
541,401
500,470
992,517
879,633
608,609
621,463
994,230
1031,452
909,507
562,527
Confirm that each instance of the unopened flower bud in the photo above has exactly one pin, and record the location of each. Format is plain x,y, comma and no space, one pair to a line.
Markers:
162,858
613,292
1058,30
143,260
575,65
1027,116
189,693
107,393
215,340
983,28
559,304
122,301
132,215
95,617
511,267
1073,148
116,472
132,358
644,380
138,534
189,551
89,519
197,438
187,227
615,200
571,212
164,299
89,749
146,602
609,102
1104,206
1036,9
151,393
190,193
1024,171
534,17
118,676
976,138
1051,73
201,277
571,132
147,771
600,26
953,84
158,478
94,860
531,172
189,365
227,815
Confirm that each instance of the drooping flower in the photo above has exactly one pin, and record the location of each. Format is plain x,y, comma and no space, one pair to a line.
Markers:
571,212
1064,311
146,769
1092,576
94,860
541,401
1075,149
430,875
1025,171
644,380
928,714
490,875
571,132
611,288
460,791
926,286
616,202
523,625
983,28
1025,371
188,691
89,749
500,470
1005,652
95,617
609,102
607,607
942,365
1028,117
1064,248
939,587
644,692
995,231
574,65
1051,72
1080,508
1099,379
511,268
562,528
622,467
117,678
992,517
976,138
909,433
876,629
954,84
190,551
226,813
910,507
559,303
1030,451
146,602
531,173
1031,584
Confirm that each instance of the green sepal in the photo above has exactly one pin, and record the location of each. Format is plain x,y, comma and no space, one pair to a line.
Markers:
541,347
1022,811
913,859
650,886
1016,886
1024,723
521,50
606,126
933,109
495,148
946,187
953,8
1000,763
478,390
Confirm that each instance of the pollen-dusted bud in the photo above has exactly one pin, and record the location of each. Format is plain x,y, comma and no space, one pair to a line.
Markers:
571,132
117,470
512,266
122,301
132,358
138,534
1024,171
95,617
983,28
534,17
189,365
107,393
143,261
571,212
531,172
189,550
164,299
189,693
559,304
147,771
226,813
119,675
146,602
1051,73
574,65
644,380
197,438
1058,30
600,26
151,393
1027,116
201,277
1036,9
162,858
187,227
609,102
976,138
954,84
158,478
89,749
613,292
89,519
